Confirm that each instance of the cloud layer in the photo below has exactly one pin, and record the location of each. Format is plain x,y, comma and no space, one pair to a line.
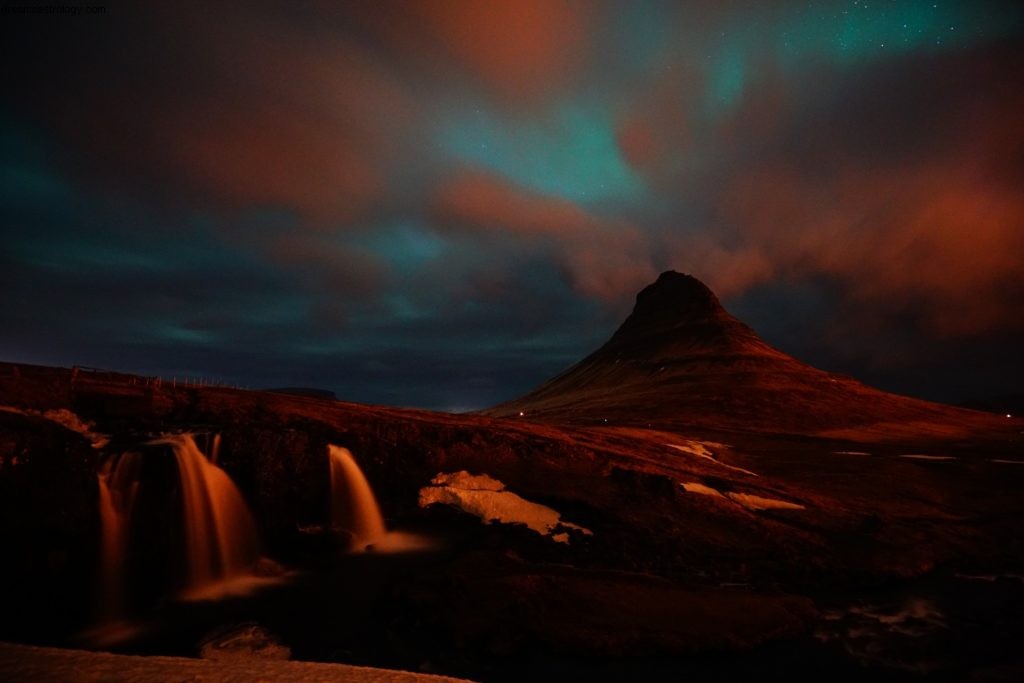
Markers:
442,203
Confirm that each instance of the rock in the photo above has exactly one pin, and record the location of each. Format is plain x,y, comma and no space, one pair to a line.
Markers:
242,641
49,523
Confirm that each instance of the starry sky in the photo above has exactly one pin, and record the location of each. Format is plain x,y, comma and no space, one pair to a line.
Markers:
443,203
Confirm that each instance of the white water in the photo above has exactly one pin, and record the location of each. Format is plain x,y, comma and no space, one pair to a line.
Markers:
215,449
221,543
118,485
353,506
354,510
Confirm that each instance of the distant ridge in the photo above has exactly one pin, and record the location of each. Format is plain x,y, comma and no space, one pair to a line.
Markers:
681,360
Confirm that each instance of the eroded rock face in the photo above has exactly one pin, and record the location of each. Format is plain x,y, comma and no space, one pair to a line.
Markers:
283,473
49,527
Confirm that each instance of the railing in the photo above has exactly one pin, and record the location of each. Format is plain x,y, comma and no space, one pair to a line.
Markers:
84,374
99,375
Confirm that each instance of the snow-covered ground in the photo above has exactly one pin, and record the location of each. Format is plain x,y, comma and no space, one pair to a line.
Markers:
487,498
701,489
702,449
747,500
753,502
47,664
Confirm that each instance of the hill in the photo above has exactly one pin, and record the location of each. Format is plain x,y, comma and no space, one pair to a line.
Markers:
680,360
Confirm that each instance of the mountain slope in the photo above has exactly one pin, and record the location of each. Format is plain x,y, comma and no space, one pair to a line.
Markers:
681,360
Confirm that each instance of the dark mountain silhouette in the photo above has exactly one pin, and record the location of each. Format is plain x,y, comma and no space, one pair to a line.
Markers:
681,360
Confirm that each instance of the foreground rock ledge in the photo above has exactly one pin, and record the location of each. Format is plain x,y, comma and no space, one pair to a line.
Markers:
25,663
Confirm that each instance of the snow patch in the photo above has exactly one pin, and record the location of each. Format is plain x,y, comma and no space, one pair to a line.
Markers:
753,502
700,489
747,500
487,498
694,448
68,420
468,482
701,450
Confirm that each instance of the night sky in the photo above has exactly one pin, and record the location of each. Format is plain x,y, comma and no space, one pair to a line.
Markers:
442,204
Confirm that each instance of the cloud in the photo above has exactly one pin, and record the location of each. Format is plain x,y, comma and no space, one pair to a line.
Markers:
303,182
230,114
654,130
605,258
244,155
521,52
904,190
335,271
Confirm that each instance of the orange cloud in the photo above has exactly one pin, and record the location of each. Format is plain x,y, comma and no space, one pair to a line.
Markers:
605,259
272,116
902,188
939,243
654,129
256,155
525,49
521,51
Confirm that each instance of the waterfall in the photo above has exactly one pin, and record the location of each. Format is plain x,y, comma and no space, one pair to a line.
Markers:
220,535
221,546
118,483
209,443
353,505
215,449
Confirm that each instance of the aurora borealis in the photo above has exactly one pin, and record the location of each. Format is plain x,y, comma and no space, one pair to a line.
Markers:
444,203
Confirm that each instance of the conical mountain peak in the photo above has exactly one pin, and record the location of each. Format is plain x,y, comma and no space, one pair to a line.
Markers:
676,298
677,313
680,360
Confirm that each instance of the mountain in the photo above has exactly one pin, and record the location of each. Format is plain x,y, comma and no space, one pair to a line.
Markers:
681,360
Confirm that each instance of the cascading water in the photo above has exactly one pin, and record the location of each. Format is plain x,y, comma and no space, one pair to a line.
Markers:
118,481
354,510
353,505
220,542
220,536
215,449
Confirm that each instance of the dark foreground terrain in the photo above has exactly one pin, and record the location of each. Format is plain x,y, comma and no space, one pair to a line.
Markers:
719,554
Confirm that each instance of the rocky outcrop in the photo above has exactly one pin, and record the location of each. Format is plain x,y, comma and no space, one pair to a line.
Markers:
48,523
